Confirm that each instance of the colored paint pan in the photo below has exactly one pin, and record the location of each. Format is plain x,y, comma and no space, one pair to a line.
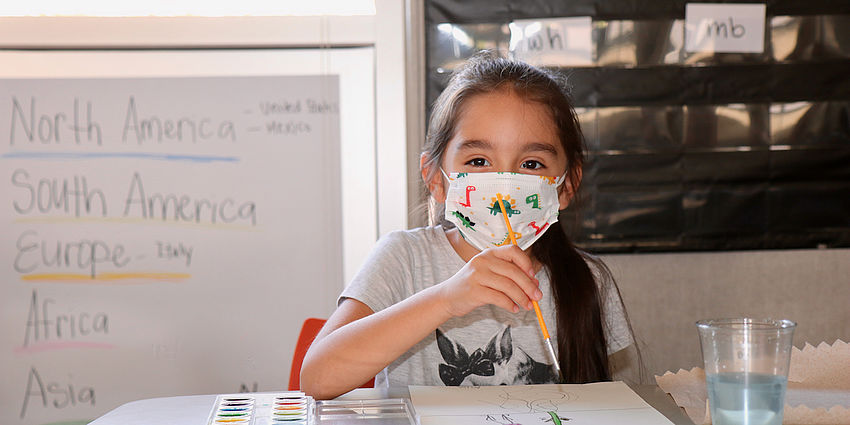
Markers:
289,414
290,418
231,414
236,404
291,403
232,420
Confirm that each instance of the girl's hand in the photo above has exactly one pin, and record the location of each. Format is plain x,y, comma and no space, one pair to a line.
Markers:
502,276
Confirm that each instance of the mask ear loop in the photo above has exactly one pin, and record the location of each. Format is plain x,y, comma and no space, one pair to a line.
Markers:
561,181
446,175
563,177
448,180
572,190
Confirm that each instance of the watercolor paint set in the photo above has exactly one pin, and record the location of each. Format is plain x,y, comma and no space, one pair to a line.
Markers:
297,408
282,408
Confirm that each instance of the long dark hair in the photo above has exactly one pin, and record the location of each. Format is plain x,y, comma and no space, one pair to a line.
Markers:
582,345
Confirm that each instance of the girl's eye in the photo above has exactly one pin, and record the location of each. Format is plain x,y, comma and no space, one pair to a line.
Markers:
478,162
532,164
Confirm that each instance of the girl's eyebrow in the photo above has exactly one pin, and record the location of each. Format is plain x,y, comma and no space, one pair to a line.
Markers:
474,144
540,147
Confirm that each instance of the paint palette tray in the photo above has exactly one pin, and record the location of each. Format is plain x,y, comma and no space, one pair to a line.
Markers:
281,408
394,411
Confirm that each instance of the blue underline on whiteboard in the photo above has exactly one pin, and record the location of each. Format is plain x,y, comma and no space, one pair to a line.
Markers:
137,155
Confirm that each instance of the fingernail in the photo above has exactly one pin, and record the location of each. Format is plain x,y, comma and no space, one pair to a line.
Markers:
538,295
529,306
516,309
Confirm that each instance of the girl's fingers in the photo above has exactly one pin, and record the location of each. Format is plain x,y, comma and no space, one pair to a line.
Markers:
529,285
499,299
503,276
517,256
510,262
507,287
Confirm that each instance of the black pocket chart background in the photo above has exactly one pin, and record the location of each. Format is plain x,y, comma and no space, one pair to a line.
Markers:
691,151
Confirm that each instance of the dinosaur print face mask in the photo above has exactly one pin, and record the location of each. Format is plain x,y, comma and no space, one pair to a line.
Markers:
530,202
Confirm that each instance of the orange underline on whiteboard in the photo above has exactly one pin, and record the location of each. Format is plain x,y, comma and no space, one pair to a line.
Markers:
103,277
63,345
136,220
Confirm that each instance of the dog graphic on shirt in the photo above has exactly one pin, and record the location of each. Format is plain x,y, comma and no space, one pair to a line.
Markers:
499,363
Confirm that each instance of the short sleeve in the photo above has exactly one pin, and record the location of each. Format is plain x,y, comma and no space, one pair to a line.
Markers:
619,336
617,331
385,276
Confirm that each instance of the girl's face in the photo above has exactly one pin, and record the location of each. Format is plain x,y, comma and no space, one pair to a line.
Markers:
501,131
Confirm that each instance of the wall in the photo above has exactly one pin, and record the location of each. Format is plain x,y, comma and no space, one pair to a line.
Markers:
665,294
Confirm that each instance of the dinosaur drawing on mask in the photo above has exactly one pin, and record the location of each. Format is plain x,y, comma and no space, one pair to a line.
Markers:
499,363
469,224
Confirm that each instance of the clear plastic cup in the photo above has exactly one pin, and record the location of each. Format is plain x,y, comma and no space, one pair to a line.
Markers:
746,368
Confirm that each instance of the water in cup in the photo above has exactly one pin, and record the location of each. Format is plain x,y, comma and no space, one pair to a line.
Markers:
739,398
746,368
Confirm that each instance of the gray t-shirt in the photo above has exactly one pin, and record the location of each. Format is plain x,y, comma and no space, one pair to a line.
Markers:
488,346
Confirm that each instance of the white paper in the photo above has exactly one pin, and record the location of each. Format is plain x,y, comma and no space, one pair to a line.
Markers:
552,42
646,416
523,399
724,27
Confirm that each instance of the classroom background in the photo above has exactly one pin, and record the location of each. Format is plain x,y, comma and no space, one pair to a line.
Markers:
184,183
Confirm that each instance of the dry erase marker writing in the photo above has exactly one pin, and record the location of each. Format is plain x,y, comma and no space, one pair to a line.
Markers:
533,302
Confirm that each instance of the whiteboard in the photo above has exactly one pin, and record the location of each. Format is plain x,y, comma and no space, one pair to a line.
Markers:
212,203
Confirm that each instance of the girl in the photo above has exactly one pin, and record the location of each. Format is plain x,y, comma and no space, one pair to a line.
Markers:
451,305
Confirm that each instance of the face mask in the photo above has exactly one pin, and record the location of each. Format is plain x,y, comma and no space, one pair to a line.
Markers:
472,204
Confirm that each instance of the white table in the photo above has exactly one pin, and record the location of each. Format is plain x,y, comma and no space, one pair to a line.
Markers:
194,410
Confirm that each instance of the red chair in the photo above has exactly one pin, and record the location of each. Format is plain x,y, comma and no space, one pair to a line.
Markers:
309,330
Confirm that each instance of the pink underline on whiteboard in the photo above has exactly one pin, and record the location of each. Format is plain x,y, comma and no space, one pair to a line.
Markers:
51,346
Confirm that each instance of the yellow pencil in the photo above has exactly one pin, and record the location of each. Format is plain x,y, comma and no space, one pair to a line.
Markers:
533,302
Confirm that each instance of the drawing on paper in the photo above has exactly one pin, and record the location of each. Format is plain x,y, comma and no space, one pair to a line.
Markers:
555,418
501,419
506,419
531,399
